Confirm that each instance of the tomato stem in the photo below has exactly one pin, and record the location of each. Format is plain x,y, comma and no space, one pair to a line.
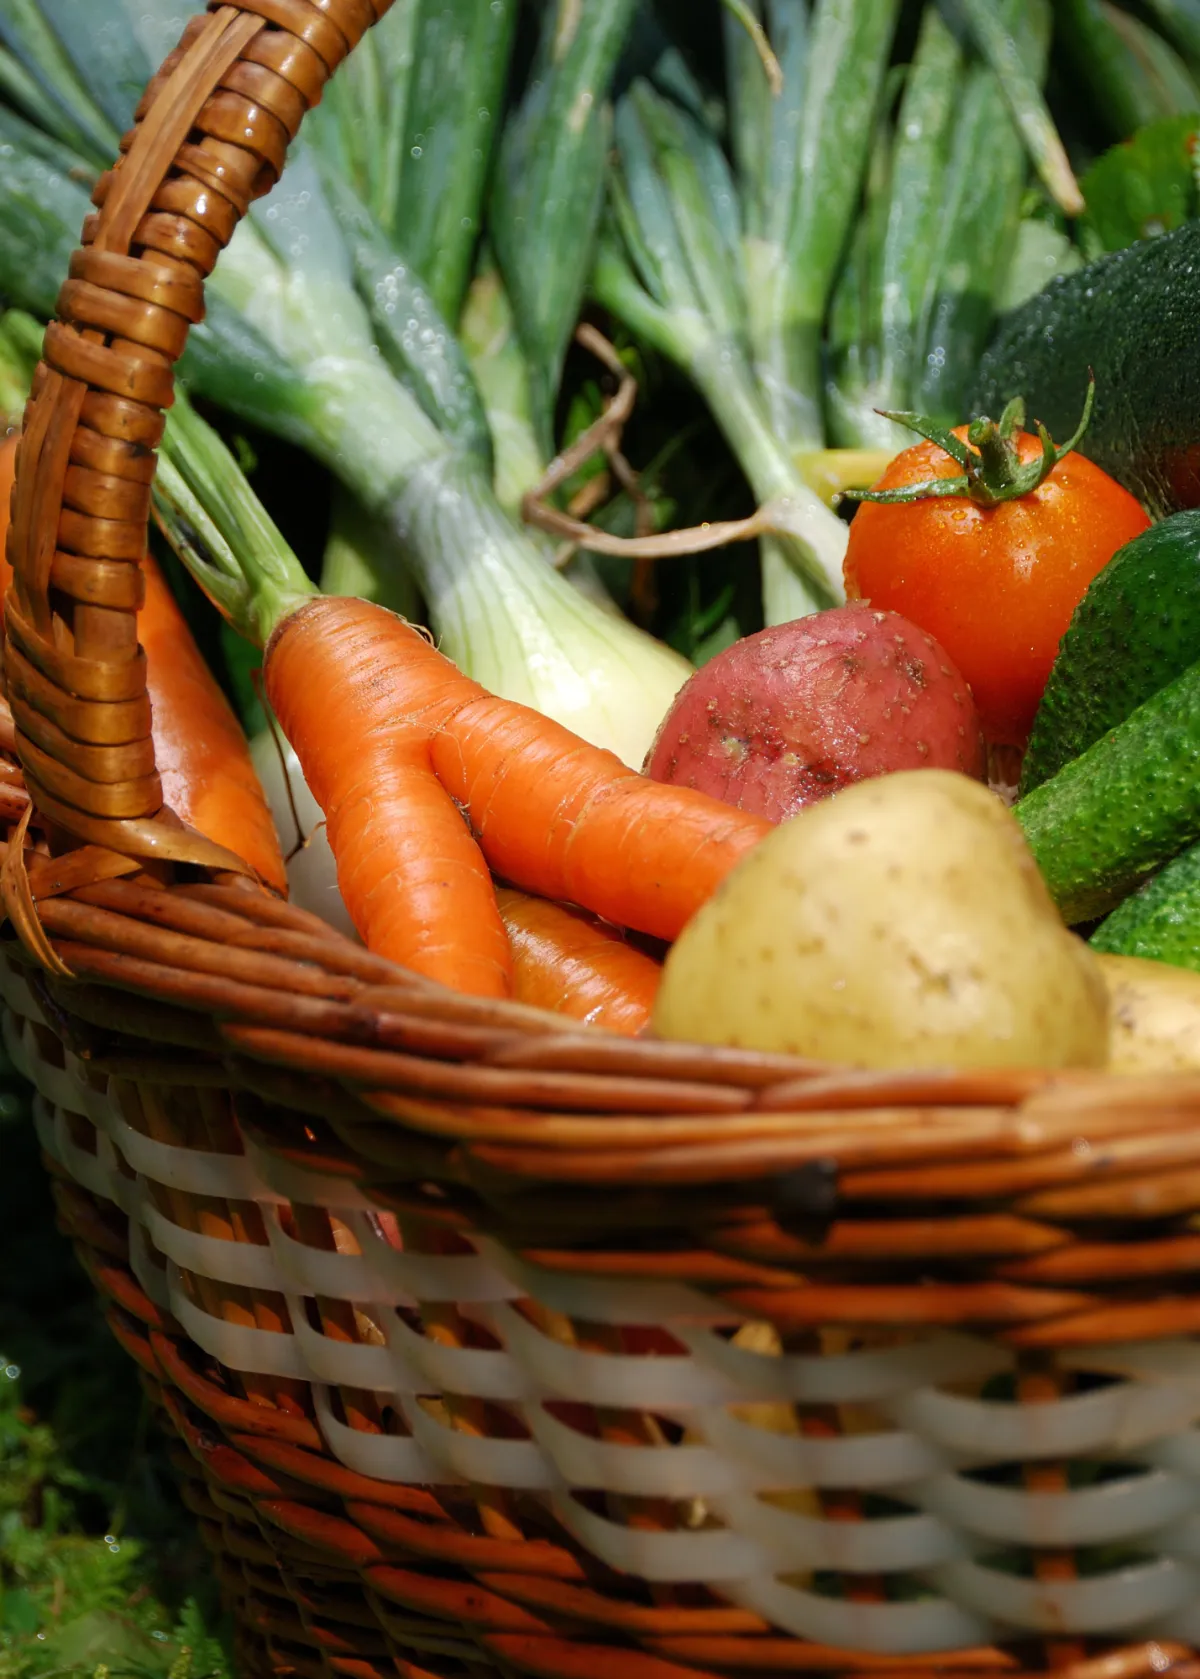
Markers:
993,470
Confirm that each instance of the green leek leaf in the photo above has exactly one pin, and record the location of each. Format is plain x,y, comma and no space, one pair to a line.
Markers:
644,212
920,156
981,214
1179,22
488,336
452,123
422,350
812,216
361,123
297,222
80,122
231,364
42,209
1124,89
700,191
764,126
1157,61
115,46
549,187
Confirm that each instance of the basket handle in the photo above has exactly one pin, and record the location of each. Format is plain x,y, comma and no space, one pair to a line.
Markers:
210,134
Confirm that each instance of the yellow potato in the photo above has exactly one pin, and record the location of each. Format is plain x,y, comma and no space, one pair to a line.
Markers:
1155,1015
901,923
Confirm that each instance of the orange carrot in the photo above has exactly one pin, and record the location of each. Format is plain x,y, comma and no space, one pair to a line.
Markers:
571,963
368,705
568,821
207,777
357,691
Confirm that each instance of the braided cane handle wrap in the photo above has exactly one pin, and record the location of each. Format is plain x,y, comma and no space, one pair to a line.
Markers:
210,134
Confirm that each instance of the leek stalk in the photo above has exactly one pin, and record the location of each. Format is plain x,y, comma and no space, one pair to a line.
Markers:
803,202
941,248
1128,88
673,266
1179,22
42,76
409,126
1001,50
489,341
545,204
876,315
979,223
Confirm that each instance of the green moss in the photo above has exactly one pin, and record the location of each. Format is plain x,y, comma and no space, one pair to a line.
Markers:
98,1557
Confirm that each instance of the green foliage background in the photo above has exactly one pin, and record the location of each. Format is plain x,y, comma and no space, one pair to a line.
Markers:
102,1575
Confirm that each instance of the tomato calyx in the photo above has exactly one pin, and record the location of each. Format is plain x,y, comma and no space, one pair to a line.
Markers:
992,468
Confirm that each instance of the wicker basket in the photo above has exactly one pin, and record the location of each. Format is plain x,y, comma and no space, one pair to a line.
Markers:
489,1342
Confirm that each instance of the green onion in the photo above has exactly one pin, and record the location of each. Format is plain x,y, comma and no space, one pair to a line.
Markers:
1156,61
409,126
40,74
1001,51
489,341
918,295
1179,22
818,144
981,213
856,388
361,124
420,347
1126,92
741,14
221,531
919,160
678,264
549,185
44,204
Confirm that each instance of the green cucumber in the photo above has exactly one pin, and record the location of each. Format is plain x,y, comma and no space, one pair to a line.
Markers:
1162,921
1123,809
1129,316
1136,629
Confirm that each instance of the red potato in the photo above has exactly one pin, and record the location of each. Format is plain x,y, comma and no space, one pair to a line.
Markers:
788,716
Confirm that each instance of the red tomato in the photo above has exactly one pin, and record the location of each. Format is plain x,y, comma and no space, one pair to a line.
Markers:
995,586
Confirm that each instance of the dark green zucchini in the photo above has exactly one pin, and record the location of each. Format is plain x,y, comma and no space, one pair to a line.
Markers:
1134,318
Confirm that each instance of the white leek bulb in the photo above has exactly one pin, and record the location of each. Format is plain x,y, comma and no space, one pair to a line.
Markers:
514,624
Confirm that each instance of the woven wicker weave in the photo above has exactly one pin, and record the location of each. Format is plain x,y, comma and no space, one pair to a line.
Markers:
493,1343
